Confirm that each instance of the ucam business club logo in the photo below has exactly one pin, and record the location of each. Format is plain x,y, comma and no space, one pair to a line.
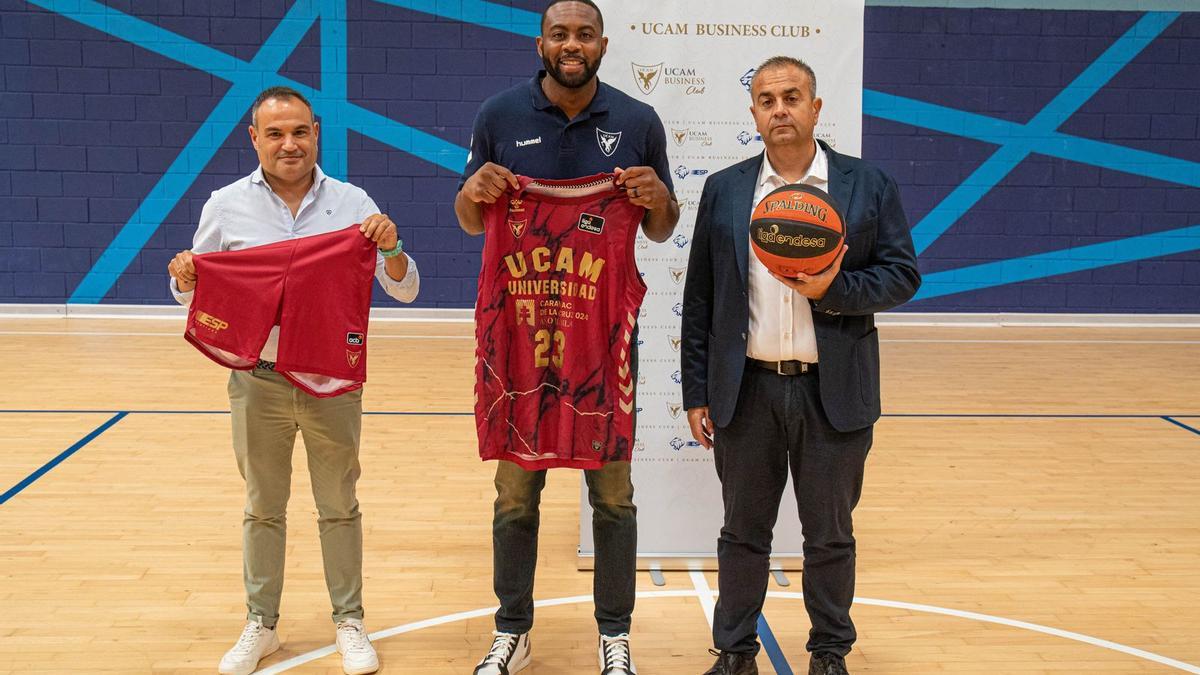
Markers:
689,135
647,77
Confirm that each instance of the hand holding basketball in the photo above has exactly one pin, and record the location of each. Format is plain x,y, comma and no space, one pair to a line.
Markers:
797,229
814,286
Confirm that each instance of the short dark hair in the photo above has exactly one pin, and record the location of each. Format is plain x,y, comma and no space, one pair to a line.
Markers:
275,92
789,61
589,3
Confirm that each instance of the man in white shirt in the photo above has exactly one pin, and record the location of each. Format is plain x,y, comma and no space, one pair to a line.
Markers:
289,197
783,374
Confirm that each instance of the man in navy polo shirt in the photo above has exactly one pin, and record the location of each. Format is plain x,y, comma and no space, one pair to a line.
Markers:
565,123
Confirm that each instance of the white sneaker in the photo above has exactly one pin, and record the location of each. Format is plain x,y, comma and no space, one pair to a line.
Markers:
257,642
509,653
615,658
358,656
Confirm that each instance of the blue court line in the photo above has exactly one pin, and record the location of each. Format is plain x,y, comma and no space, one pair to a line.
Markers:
771,646
1048,119
12,492
763,628
1181,424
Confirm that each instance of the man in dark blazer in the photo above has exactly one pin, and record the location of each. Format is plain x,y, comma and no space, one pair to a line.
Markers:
781,373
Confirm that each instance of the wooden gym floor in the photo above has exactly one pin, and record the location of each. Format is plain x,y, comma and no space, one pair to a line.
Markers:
1032,505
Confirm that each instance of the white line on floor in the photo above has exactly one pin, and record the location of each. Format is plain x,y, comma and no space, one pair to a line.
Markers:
706,595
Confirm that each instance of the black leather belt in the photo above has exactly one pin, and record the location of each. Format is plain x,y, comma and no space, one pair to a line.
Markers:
784,367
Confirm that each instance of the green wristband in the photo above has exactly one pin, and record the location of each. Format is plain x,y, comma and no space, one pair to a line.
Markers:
393,252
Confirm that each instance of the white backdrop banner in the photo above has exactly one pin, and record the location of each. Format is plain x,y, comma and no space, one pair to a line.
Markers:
693,62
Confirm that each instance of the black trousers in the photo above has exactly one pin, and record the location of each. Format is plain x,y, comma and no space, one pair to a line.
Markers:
779,424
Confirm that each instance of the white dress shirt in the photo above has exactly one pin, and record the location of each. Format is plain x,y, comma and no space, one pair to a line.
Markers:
249,213
781,324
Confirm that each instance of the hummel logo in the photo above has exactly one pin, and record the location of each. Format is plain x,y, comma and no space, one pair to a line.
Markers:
531,141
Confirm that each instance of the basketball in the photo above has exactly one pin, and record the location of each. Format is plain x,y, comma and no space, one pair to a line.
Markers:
797,229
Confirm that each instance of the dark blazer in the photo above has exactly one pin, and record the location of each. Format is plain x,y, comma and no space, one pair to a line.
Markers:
879,272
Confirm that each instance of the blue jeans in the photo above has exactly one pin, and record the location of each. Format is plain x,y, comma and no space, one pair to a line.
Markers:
515,537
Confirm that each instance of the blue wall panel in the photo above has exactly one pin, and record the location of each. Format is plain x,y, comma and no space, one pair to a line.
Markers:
1049,160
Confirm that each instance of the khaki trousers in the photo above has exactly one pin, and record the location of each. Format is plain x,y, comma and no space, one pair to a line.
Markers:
267,411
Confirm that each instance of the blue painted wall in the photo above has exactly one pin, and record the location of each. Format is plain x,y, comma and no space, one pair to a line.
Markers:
1050,160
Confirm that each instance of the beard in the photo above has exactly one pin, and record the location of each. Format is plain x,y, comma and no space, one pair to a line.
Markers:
572,81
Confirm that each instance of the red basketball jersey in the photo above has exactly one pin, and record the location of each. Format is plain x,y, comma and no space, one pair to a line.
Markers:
559,293
316,289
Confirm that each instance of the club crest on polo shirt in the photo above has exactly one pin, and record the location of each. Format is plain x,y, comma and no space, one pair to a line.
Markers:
608,141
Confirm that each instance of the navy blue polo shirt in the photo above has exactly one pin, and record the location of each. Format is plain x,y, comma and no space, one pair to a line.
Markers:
521,130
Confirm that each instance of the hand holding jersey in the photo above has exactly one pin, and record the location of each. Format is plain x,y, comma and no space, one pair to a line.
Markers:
378,228
381,230
487,184
183,271
644,187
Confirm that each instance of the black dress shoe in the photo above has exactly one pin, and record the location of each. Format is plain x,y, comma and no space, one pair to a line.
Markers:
730,663
826,663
